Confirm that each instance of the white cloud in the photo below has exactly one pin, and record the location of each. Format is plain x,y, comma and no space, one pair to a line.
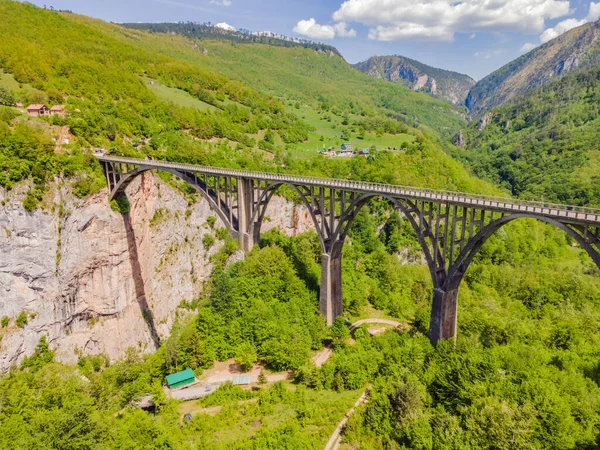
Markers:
528,46
313,30
594,13
225,26
569,24
560,28
220,2
440,19
341,31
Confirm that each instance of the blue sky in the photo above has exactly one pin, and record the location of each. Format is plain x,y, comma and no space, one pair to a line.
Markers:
469,36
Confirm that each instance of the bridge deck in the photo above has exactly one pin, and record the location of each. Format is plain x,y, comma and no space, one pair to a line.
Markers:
576,214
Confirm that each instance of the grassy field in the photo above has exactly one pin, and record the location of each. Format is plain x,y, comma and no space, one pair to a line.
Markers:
331,132
176,96
231,424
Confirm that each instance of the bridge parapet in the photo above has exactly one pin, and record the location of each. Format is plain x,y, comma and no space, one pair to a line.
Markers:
451,226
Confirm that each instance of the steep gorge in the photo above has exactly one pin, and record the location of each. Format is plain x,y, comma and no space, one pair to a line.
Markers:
95,281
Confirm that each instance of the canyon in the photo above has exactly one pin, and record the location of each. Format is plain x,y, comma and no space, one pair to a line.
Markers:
94,281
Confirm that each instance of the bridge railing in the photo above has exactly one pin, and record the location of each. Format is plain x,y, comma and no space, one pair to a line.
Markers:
578,212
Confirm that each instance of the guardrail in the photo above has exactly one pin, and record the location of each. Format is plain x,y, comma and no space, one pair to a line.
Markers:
502,203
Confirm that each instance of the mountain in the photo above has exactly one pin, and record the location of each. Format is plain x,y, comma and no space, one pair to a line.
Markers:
309,73
545,145
450,86
574,50
224,31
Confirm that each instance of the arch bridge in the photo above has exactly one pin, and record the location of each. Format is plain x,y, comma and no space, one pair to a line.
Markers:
451,226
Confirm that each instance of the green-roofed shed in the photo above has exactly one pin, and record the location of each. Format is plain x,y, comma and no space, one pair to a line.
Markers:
181,378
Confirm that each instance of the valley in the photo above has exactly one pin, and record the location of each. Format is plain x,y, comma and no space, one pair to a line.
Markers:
102,296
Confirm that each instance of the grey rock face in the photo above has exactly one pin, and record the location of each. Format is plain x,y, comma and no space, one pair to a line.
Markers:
95,281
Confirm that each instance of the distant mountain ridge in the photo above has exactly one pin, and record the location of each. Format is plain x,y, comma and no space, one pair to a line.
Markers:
227,32
573,51
450,86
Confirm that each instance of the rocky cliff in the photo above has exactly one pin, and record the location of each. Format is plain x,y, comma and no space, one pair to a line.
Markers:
449,86
575,50
95,281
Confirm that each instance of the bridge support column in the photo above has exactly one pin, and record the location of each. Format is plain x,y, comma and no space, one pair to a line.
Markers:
444,314
330,299
245,203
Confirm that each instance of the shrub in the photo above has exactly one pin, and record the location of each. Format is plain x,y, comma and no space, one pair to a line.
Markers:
208,241
5,321
21,319
120,204
211,220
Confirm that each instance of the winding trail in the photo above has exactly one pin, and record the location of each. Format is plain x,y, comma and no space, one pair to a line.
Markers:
335,440
358,323
322,356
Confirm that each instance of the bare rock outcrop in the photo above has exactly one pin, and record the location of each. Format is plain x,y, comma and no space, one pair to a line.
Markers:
95,281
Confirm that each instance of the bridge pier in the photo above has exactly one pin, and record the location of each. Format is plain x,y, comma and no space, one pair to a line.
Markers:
245,207
444,314
330,298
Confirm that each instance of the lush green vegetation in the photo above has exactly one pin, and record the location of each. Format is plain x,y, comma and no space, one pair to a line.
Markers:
300,74
525,372
546,146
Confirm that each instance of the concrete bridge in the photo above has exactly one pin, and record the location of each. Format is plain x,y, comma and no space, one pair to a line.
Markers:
450,226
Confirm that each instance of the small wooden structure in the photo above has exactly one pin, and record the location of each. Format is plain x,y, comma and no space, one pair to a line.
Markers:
58,110
180,379
37,110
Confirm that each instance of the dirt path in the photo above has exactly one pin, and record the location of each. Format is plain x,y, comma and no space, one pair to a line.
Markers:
335,440
228,370
391,322
322,356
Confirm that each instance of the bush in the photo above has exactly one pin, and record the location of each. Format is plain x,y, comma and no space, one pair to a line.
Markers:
5,321
21,319
211,220
120,204
208,241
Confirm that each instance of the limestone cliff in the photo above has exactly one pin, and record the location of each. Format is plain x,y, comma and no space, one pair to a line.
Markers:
95,281
449,86
577,49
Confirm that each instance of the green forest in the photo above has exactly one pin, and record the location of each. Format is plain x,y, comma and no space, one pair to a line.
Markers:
545,146
524,372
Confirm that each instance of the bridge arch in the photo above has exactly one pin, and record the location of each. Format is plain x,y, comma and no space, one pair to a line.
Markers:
262,203
204,191
459,268
444,314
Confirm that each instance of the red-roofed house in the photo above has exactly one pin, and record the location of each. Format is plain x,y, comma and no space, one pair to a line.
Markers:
37,110
57,110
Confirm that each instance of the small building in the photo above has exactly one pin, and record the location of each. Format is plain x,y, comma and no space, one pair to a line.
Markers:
242,381
58,110
180,379
37,110
347,147
344,153
363,152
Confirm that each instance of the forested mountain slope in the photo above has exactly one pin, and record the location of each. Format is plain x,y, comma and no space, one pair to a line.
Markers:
524,373
450,86
123,91
546,145
574,50
305,75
